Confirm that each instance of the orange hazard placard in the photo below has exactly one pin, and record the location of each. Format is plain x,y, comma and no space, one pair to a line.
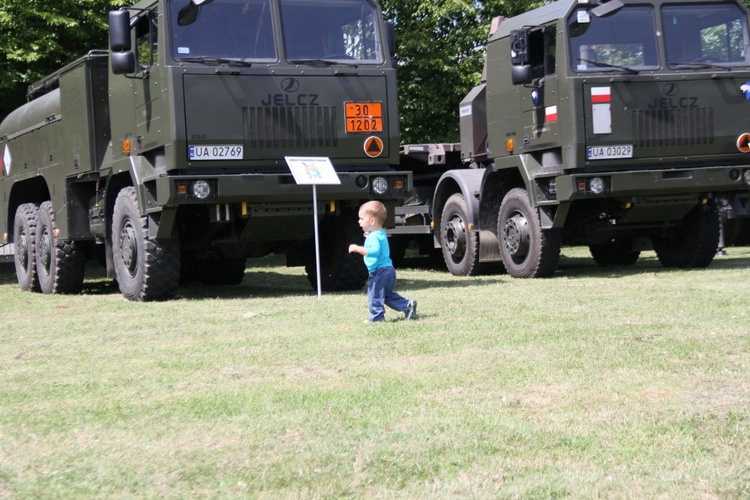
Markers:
743,143
364,117
373,146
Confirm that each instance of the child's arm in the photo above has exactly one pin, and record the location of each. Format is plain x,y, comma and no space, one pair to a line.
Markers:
358,249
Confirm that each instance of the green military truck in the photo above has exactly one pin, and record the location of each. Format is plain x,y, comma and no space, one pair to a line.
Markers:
622,126
164,157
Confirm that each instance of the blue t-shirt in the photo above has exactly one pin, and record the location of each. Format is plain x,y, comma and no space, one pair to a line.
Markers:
378,251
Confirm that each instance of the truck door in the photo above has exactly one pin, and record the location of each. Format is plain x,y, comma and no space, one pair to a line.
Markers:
539,105
147,88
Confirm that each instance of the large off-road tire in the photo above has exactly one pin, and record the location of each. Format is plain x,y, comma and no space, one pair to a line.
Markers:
218,272
527,250
59,265
24,243
339,270
693,243
618,252
459,245
146,268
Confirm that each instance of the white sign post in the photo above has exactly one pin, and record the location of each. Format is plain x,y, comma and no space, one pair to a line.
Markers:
313,171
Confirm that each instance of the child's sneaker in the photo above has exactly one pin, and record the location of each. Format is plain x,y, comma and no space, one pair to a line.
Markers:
411,310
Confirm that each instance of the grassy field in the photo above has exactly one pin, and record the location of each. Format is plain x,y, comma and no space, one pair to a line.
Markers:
623,382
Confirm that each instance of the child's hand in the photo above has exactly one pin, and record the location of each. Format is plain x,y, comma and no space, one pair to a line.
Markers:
357,249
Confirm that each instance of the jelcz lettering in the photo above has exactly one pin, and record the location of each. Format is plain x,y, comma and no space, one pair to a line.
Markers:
290,100
674,103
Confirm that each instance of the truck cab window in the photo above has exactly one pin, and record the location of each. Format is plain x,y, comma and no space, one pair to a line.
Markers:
705,34
334,30
239,30
623,41
147,36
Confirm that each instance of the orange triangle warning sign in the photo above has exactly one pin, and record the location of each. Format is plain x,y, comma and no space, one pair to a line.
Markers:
373,146
743,143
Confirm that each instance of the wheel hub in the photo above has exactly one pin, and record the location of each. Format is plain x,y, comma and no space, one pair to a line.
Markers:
45,246
516,235
22,250
128,248
455,237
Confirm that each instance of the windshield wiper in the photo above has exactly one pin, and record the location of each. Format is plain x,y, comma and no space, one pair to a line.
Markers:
323,62
217,60
698,65
601,64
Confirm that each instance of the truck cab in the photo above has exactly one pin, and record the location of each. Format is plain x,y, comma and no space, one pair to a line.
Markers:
620,125
185,129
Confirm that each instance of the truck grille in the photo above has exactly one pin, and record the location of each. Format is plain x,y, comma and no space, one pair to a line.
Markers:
290,127
673,127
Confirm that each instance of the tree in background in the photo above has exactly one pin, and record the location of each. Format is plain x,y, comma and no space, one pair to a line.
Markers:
440,51
37,37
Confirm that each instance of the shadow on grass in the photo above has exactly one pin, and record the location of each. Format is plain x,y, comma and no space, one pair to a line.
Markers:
262,278
579,267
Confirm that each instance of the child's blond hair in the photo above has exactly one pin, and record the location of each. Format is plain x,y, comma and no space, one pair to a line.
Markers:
376,210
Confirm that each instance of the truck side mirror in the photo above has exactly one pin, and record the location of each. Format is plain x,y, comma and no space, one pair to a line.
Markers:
390,33
189,13
519,56
519,46
122,59
123,63
119,31
521,74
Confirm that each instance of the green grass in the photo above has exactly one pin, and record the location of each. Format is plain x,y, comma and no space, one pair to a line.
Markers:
621,382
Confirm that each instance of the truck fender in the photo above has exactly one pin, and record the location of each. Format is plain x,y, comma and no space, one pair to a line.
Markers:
138,169
467,182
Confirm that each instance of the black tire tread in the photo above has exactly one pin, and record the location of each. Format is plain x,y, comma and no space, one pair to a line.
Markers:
26,219
469,264
695,242
161,257
67,263
543,259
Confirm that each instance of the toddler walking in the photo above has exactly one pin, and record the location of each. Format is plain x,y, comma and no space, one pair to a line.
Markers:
377,254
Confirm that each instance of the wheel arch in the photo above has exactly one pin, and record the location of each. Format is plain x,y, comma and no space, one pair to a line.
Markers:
467,182
32,190
495,186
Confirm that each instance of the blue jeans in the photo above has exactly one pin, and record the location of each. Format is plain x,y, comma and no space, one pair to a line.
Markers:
380,293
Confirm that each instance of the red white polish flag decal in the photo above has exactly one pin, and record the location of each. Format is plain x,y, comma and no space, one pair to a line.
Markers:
601,95
550,113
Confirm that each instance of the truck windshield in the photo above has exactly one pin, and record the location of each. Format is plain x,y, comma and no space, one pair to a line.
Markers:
622,42
222,31
331,31
705,35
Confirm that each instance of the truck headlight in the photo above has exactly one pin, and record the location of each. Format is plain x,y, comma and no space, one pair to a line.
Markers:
379,186
597,185
746,177
201,190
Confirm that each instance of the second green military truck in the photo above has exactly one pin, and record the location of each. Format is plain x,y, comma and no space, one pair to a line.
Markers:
621,125
164,157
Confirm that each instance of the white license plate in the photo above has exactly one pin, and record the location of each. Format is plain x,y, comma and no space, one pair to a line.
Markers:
215,152
609,152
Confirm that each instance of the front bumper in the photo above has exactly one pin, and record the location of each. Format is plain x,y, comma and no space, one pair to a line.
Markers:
175,191
653,183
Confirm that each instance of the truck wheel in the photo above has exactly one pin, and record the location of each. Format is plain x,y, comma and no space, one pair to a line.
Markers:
527,250
693,244
460,246
59,265
219,272
618,252
24,243
339,270
146,268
